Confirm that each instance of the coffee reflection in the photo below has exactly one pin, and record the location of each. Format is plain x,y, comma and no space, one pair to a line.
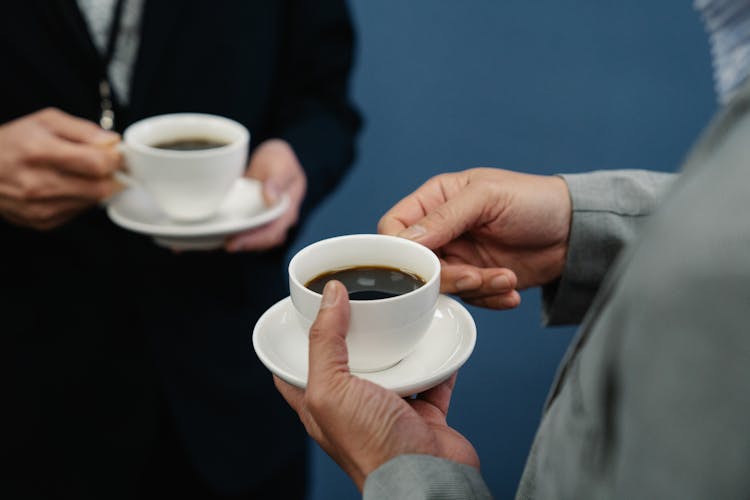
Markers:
369,282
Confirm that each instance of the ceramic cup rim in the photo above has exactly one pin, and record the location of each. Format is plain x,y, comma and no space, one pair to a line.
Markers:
429,283
242,139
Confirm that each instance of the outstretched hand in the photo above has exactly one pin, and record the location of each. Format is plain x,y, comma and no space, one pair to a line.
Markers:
358,423
495,231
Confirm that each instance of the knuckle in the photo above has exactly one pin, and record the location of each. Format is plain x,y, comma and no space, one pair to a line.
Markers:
484,190
478,302
31,193
103,190
99,167
40,214
315,400
29,188
436,178
106,162
444,218
46,225
382,225
54,112
48,113
493,302
317,330
46,215
31,149
96,191
310,401
440,180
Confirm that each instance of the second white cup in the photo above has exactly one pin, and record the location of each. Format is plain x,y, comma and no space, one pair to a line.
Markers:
188,185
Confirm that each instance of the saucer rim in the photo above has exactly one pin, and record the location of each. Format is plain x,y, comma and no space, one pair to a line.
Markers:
199,229
462,352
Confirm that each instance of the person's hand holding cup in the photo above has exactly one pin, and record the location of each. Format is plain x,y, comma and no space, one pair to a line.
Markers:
360,424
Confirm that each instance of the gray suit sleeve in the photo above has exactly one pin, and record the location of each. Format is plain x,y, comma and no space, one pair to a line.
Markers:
608,208
424,477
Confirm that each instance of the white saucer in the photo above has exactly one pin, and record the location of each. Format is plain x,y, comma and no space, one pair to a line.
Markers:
243,209
281,345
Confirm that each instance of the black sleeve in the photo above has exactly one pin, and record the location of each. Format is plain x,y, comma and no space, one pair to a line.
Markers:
313,112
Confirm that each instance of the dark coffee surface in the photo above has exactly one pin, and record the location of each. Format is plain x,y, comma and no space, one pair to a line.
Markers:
190,144
369,282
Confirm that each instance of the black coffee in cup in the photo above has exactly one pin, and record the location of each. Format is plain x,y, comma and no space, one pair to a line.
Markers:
190,144
369,282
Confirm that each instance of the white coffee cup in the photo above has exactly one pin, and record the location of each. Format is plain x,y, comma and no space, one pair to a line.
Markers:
381,332
187,185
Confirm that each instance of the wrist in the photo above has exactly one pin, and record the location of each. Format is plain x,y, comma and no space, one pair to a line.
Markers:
562,220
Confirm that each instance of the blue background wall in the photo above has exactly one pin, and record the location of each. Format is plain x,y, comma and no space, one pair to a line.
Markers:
542,87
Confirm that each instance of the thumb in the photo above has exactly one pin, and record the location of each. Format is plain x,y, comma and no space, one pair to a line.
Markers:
77,129
328,354
449,221
271,191
274,169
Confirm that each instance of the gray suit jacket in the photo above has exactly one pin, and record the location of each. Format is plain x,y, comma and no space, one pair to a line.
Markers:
653,398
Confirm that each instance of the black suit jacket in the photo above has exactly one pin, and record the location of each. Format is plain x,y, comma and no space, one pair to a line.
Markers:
101,324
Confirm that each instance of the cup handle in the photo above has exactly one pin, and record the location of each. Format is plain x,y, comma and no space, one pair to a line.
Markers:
123,178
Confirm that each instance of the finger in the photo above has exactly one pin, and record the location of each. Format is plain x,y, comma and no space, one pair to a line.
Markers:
504,301
412,208
470,280
277,167
440,395
429,196
266,237
328,354
37,184
76,129
39,226
403,214
279,182
449,220
74,158
276,179
42,215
